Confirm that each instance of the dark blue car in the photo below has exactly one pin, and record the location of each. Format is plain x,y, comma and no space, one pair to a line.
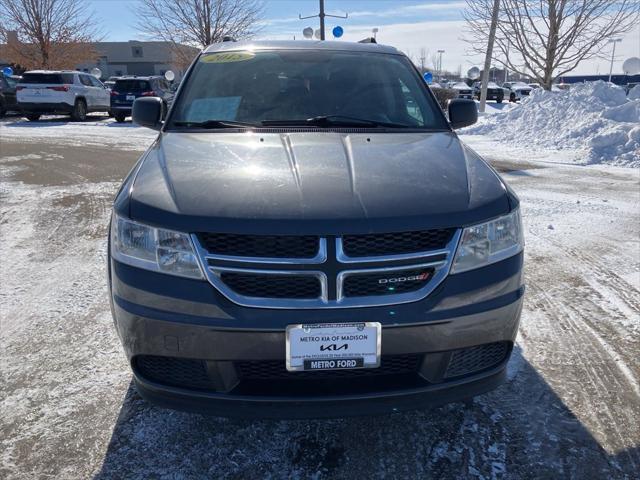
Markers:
127,89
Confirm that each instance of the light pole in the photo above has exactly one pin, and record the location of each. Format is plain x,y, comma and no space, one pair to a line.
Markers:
614,41
322,16
440,52
375,33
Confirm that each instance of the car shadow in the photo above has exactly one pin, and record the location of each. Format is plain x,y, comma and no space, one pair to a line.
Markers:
520,430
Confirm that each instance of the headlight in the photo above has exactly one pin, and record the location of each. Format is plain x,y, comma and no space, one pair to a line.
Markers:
490,242
154,249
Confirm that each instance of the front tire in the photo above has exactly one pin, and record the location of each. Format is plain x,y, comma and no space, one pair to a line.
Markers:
120,117
79,113
499,100
33,117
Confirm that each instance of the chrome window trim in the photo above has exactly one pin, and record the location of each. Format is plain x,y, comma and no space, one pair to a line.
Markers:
320,257
344,258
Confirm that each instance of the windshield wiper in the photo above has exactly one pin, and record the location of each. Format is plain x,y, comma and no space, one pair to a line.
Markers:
215,124
334,121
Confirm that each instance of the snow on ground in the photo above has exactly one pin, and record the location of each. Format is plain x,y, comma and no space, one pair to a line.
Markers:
97,131
595,122
570,407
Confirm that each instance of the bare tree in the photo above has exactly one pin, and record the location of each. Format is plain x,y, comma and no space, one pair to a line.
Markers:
47,33
198,23
546,39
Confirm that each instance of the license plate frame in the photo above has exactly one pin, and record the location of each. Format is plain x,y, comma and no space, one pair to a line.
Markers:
130,98
364,353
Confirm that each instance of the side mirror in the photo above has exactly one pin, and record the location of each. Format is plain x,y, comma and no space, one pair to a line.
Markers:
148,112
462,112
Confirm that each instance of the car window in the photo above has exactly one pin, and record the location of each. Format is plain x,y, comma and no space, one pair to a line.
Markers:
297,85
95,82
11,82
132,85
85,80
51,78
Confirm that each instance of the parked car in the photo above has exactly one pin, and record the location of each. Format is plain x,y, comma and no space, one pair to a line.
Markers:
463,90
127,89
517,90
494,91
61,92
308,237
8,100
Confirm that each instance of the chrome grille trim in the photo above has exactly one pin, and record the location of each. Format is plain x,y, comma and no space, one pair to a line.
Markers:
214,274
344,258
429,259
320,257
438,275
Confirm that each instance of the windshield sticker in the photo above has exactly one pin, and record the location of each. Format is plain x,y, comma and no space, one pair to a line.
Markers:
219,108
226,57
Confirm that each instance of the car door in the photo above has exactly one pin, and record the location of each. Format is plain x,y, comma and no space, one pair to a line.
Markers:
103,97
88,91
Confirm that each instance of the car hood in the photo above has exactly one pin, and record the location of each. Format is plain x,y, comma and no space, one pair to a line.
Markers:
313,182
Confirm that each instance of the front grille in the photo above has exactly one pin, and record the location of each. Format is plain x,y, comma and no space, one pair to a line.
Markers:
269,246
396,243
273,285
175,372
386,283
474,359
276,369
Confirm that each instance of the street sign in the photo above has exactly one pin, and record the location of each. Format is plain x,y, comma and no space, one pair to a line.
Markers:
473,73
7,71
428,77
307,32
338,31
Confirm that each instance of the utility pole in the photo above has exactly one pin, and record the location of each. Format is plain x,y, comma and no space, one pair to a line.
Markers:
322,16
614,41
440,52
489,54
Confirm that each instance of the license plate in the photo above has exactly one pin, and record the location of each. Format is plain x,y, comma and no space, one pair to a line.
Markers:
333,346
131,98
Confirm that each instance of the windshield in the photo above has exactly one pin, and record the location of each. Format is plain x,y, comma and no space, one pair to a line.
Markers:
292,86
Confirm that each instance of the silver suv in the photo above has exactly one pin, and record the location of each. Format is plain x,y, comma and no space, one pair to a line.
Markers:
61,92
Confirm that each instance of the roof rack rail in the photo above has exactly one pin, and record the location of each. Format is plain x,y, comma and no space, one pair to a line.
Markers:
368,40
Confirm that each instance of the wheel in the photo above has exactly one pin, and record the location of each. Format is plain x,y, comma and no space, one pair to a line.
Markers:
33,117
110,114
120,117
512,97
499,100
79,113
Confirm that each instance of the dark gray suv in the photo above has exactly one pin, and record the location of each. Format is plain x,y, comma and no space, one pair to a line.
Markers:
308,237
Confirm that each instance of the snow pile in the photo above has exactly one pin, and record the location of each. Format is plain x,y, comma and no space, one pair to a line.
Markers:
596,117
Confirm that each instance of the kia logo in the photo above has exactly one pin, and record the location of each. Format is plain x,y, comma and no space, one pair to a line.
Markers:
333,347
412,278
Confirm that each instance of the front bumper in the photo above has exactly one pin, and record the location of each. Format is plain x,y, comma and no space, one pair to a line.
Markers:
168,317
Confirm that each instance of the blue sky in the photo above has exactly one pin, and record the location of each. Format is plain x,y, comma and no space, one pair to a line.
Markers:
408,25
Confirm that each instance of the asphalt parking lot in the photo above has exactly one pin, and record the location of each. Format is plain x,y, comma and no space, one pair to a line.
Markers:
570,407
